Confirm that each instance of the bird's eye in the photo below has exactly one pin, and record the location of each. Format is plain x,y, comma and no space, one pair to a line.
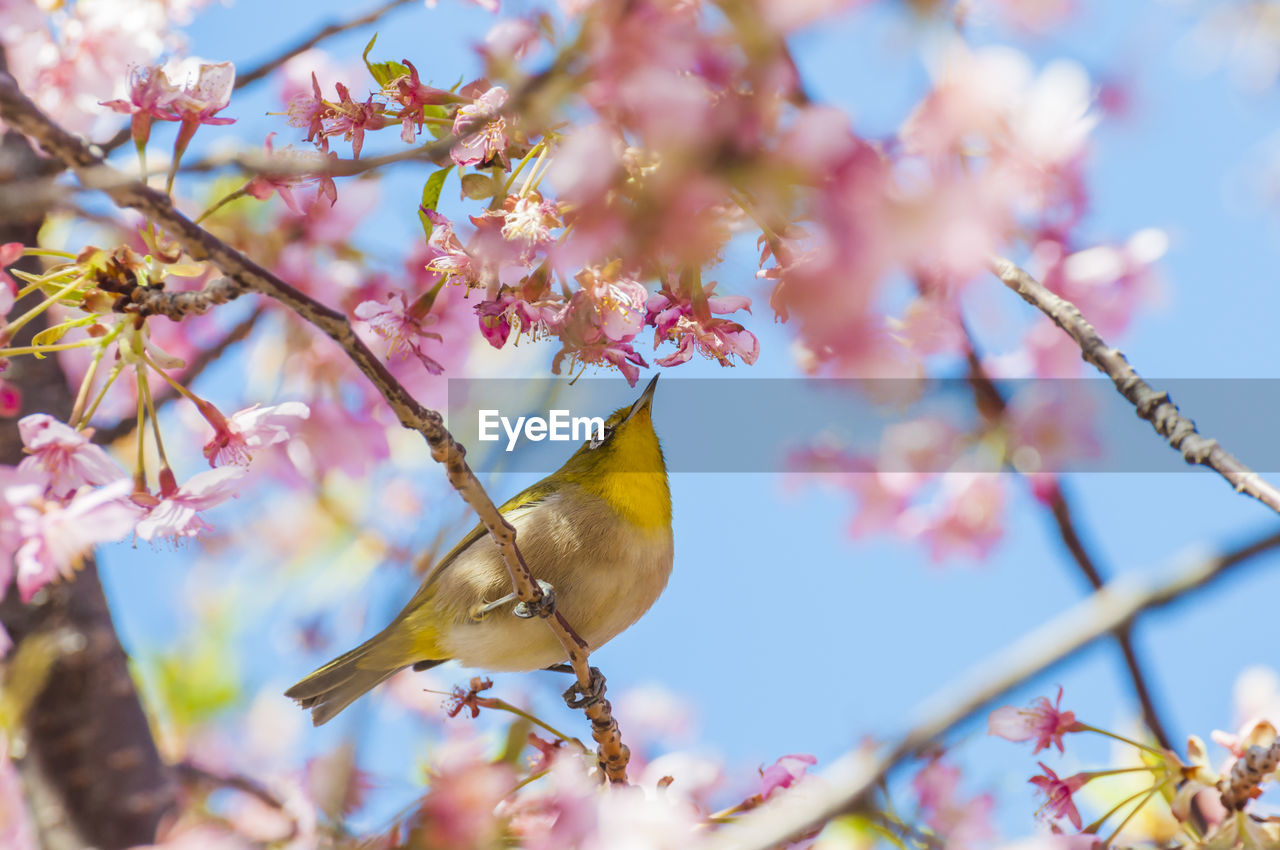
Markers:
597,442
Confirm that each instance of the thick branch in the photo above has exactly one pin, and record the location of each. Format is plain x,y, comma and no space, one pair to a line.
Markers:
19,112
1153,406
850,781
993,405
92,769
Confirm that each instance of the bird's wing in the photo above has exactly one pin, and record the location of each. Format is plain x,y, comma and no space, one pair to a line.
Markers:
529,496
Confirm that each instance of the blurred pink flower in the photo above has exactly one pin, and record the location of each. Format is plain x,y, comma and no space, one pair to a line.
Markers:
42,540
1046,722
482,131
1058,802
784,773
266,183
176,516
246,431
64,456
966,519
16,829
465,789
10,253
962,823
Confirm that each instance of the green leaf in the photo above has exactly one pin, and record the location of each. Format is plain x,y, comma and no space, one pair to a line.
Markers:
383,72
477,187
431,196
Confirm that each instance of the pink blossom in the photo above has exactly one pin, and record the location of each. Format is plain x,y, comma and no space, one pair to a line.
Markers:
10,399
601,319
266,183
16,829
352,119
334,437
64,456
964,823
151,96
528,222
309,110
48,539
530,310
1045,722
253,428
396,322
202,97
686,319
1058,802
784,773
175,515
412,95
458,809
447,256
10,252
965,521
482,131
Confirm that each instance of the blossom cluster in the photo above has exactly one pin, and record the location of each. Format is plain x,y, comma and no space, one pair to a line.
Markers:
1187,800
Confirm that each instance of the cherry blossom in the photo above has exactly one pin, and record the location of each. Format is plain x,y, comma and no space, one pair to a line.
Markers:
1058,802
1044,721
64,456
482,130
246,431
43,540
400,326
176,514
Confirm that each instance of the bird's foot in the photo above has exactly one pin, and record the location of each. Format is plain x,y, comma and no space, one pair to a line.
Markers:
577,696
544,608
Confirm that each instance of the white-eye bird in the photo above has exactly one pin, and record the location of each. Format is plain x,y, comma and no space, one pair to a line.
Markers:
598,530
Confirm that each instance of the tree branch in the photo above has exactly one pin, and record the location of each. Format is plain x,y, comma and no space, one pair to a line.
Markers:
993,405
19,112
92,770
848,784
1153,406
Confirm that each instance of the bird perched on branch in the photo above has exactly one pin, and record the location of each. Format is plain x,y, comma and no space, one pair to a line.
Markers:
598,531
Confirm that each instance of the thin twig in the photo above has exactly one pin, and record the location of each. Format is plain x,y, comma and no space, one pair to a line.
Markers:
1152,405
992,404
19,112
847,785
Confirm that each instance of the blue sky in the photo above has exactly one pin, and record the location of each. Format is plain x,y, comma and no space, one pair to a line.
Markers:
785,634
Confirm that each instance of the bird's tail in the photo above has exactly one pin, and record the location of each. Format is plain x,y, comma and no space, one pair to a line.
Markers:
339,683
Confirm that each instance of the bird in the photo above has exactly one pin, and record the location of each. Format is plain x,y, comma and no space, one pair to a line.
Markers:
597,531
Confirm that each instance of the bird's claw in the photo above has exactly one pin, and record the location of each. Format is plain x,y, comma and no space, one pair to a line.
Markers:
576,696
544,608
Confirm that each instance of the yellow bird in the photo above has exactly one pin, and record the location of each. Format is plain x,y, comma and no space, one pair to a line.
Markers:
598,530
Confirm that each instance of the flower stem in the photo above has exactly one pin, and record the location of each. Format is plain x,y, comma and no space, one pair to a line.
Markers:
1084,727
237,194
1130,816
102,393
145,388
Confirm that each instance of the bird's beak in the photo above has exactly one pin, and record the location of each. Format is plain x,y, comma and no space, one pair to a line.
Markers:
646,398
